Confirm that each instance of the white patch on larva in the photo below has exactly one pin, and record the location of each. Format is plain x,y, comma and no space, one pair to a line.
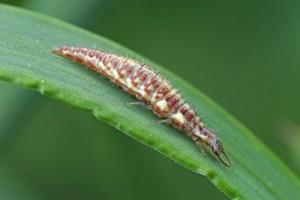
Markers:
100,65
142,91
129,83
172,92
197,132
94,61
115,74
124,73
156,96
86,57
202,125
179,117
197,119
144,94
110,67
108,72
187,106
181,102
203,137
150,87
80,55
162,104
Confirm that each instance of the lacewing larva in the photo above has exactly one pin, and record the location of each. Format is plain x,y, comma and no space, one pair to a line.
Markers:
152,90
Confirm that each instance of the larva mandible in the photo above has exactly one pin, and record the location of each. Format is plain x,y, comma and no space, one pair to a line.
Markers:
152,90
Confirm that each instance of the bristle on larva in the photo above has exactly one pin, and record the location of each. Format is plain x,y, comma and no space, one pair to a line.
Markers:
152,89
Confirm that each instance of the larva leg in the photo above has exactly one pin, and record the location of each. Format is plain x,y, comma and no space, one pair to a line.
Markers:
138,103
165,121
200,145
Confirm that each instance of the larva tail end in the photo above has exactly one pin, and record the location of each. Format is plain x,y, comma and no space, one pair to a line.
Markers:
58,50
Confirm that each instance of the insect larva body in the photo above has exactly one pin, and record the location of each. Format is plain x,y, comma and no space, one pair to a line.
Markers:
151,88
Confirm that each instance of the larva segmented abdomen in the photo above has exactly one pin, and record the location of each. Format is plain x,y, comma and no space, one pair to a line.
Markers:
149,87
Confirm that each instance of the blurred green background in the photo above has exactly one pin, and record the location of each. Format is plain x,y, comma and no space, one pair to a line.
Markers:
244,55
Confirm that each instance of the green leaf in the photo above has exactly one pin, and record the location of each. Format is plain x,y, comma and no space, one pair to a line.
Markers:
25,59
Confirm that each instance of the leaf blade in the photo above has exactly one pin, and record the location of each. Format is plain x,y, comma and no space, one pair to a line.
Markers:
26,59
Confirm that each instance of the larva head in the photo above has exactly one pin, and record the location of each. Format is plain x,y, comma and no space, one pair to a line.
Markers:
216,146
220,153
